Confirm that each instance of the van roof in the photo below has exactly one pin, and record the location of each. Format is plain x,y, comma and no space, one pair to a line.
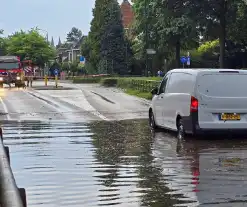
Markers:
196,71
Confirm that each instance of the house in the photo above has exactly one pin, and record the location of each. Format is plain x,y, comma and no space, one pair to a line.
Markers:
70,52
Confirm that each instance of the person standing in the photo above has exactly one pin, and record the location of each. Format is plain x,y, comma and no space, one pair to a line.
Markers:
29,75
10,79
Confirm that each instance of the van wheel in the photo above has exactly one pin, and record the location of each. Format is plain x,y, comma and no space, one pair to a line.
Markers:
152,123
181,131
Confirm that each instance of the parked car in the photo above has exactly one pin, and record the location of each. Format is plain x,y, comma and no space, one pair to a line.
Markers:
199,101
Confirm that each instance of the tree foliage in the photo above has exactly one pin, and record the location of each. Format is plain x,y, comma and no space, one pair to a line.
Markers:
176,25
113,47
30,45
74,35
106,47
3,44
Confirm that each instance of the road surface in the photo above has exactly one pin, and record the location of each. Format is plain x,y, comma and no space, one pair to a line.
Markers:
78,102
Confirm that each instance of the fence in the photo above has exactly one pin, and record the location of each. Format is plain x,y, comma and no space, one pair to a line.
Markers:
10,194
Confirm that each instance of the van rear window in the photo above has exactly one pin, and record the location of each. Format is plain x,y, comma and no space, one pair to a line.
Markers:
223,85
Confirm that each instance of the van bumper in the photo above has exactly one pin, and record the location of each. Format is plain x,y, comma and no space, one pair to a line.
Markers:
191,126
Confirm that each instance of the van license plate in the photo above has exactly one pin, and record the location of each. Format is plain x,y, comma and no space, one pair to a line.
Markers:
230,117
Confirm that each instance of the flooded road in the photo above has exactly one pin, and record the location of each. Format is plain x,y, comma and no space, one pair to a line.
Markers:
120,163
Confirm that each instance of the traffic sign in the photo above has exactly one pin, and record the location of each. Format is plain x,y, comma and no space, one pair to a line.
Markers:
56,71
183,59
82,59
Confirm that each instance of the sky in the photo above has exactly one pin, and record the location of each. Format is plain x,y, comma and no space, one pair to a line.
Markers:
57,17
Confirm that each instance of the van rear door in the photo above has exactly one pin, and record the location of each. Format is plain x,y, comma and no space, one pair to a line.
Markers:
222,99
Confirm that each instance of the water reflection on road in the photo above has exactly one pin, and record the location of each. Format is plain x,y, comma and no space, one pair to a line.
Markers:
124,164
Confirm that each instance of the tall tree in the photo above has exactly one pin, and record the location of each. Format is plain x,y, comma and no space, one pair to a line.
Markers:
95,32
74,35
30,45
165,26
113,48
213,16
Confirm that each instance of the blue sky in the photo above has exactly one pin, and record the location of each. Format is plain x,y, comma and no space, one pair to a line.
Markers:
55,16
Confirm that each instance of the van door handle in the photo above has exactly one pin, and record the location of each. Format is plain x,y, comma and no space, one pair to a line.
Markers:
161,97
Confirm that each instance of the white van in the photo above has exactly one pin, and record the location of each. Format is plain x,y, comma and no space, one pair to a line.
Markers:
195,101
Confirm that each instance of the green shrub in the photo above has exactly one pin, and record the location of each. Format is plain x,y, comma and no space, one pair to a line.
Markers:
109,82
87,80
141,85
209,46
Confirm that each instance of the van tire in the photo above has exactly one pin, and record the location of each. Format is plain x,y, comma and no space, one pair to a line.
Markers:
180,129
152,123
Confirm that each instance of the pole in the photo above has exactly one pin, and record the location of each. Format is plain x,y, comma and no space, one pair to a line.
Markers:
56,81
72,55
46,79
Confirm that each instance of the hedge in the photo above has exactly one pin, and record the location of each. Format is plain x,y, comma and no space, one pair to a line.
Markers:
87,80
140,87
130,83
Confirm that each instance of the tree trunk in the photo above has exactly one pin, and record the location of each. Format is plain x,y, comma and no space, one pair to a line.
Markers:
222,37
178,53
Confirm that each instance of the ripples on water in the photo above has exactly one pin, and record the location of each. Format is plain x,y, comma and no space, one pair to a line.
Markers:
122,164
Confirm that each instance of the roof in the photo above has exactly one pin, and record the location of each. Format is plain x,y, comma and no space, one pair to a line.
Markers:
9,58
199,70
127,13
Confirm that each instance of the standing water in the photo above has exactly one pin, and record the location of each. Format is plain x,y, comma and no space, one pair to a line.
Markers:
123,164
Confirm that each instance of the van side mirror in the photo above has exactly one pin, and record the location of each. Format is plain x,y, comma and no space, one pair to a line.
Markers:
155,91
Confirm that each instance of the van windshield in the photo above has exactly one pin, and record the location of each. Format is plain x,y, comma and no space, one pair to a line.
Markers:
223,85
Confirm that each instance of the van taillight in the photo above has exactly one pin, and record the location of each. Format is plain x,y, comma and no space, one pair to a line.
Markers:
193,104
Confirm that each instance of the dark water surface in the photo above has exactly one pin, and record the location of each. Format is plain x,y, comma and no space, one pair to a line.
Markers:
123,164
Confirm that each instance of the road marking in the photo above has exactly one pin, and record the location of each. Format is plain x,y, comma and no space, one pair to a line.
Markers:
86,105
5,109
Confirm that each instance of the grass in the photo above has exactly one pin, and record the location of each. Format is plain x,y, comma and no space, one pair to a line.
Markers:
139,94
146,78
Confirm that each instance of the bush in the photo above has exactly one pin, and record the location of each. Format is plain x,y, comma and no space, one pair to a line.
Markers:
141,85
133,85
87,79
109,82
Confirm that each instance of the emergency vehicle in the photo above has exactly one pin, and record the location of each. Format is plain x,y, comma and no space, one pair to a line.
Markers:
10,66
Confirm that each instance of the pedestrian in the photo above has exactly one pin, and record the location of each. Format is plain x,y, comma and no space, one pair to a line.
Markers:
10,79
159,73
29,75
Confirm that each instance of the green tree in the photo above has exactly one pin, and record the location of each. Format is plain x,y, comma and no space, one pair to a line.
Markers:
30,45
74,35
215,18
164,26
3,44
93,41
65,66
114,47
85,48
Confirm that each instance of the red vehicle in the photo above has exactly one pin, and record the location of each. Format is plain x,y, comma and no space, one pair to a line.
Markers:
10,66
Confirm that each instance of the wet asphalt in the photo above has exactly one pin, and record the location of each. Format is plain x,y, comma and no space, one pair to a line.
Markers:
66,154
